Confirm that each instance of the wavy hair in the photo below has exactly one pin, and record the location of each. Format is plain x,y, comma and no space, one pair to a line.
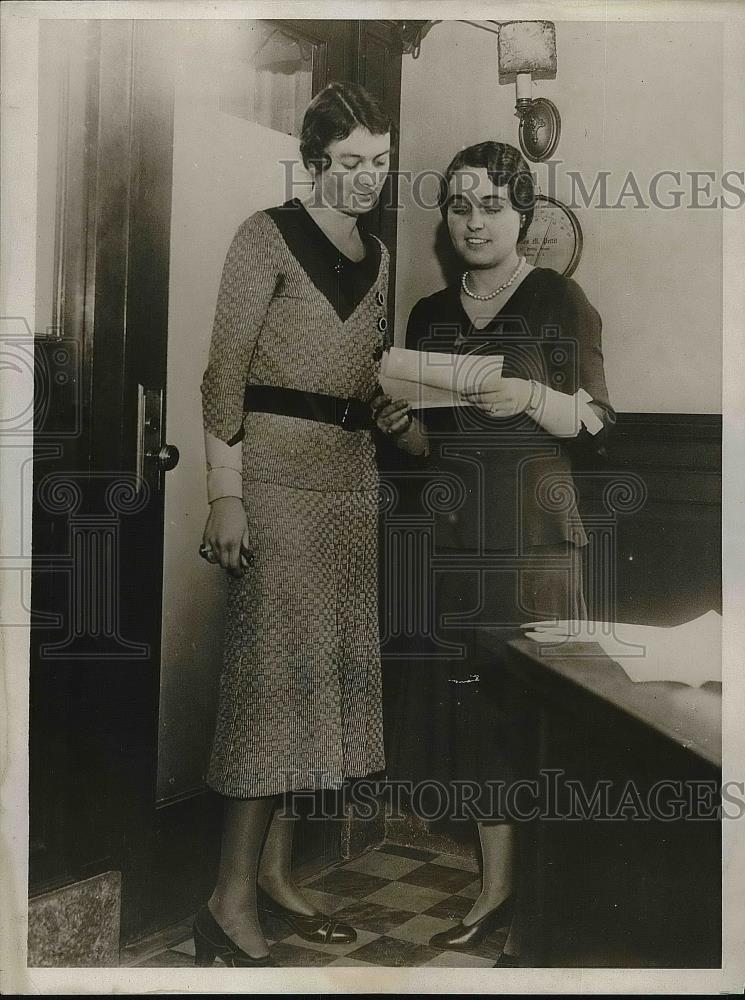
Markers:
504,165
333,114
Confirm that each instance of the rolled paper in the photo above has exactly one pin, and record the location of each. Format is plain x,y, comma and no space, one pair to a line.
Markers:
430,378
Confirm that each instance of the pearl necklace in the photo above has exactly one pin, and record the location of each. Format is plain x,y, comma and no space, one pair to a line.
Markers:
491,295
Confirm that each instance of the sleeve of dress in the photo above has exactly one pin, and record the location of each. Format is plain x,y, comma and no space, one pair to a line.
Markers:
416,328
580,366
249,278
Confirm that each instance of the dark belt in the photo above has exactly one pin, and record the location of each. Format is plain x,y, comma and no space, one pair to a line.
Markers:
349,414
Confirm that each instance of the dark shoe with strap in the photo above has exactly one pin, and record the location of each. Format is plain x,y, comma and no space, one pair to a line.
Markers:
319,928
211,942
463,937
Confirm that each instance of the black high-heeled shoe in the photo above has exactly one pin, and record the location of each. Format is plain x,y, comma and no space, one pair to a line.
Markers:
318,928
211,942
463,936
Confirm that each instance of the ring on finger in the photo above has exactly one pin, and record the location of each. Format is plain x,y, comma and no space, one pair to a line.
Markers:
208,554
403,430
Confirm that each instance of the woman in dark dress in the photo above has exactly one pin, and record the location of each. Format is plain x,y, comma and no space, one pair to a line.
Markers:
293,488
550,406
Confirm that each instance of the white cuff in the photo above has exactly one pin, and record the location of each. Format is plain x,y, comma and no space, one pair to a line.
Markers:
218,453
563,415
224,462
224,482
587,415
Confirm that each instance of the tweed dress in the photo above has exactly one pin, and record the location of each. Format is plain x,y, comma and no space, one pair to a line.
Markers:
300,690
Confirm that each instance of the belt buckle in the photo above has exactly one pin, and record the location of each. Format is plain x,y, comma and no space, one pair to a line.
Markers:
345,422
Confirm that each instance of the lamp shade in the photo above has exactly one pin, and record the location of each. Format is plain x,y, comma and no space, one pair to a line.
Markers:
527,47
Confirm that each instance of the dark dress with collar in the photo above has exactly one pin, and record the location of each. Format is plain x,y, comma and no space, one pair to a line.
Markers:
509,550
300,694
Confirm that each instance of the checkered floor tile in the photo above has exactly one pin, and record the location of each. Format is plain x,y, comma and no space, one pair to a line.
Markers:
396,898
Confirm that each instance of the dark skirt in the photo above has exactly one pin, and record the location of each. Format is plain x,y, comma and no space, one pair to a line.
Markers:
449,722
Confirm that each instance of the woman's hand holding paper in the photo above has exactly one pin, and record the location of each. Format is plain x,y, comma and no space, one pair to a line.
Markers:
393,417
505,399
429,378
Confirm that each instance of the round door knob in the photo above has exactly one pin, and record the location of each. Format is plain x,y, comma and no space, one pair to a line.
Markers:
167,457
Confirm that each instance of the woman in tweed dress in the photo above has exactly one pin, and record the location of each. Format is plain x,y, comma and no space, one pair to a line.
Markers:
292,482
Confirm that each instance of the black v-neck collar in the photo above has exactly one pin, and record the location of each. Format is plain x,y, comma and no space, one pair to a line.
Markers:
341,280
330,245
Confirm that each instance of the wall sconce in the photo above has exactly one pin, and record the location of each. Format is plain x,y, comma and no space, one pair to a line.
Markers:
527,49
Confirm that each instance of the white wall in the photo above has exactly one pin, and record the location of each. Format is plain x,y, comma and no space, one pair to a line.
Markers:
633,97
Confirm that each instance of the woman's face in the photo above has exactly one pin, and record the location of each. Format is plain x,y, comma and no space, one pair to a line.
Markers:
359,166
483,224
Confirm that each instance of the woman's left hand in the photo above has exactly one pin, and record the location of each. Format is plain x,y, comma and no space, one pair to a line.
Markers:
393,417
512,396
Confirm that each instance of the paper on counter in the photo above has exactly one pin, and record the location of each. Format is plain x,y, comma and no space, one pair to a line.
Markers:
690,653
431,378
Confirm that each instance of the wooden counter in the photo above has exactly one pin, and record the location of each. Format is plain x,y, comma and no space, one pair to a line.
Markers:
638,884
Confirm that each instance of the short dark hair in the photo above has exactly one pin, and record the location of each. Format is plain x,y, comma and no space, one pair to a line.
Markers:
504,165
334,114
